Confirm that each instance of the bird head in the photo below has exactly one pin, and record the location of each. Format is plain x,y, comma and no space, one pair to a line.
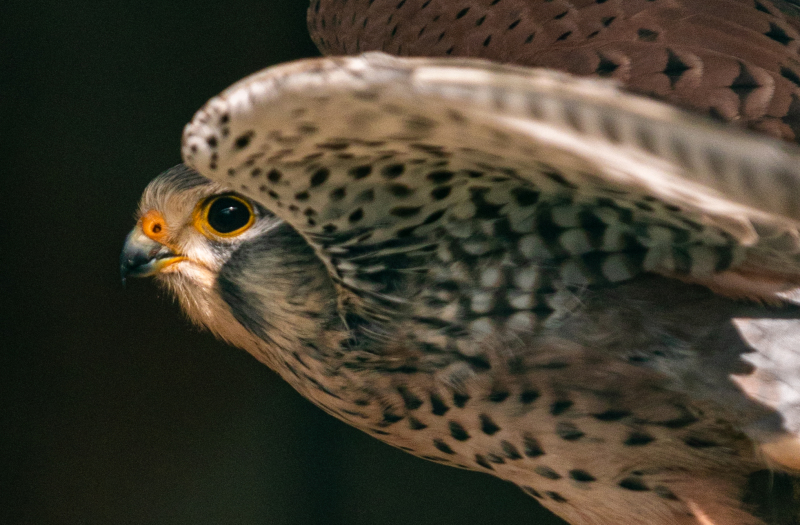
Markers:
233,265
188,228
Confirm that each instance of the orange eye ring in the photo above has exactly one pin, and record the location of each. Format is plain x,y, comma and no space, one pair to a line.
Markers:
226,215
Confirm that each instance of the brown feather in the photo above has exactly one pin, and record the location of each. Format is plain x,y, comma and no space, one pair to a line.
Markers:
732,59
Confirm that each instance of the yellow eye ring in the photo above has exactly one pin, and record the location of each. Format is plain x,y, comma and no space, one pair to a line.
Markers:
225,215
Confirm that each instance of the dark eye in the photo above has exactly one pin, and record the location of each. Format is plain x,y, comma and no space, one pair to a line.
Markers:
227,214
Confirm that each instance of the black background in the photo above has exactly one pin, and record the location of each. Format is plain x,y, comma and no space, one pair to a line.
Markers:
114,409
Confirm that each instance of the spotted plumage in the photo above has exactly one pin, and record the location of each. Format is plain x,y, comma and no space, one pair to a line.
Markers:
587,293
736,60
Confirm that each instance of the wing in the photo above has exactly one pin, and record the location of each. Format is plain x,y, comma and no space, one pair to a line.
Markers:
734,59
791,7
376,160
471,200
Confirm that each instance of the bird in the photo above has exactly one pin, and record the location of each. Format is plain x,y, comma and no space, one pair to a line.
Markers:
553,279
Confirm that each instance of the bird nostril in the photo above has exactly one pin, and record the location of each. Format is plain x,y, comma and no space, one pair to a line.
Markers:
153,226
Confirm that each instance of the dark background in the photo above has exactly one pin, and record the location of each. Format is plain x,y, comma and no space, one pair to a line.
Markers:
114,409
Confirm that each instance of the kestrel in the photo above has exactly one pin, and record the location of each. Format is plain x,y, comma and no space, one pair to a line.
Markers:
552,279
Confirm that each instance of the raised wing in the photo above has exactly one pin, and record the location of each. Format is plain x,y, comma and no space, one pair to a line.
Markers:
458,204
380,162
734,59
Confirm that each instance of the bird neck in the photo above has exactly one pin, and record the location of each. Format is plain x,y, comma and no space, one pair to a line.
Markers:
279,292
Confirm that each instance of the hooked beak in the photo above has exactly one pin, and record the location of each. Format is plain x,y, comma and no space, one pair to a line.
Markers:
142,256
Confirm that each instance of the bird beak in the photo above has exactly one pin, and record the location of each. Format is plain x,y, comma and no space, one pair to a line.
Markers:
142,256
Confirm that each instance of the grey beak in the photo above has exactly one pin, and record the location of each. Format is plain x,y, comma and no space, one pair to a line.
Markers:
142,256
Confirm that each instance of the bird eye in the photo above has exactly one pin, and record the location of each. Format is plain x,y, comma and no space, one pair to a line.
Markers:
228,215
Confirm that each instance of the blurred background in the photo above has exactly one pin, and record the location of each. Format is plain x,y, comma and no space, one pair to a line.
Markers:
113,408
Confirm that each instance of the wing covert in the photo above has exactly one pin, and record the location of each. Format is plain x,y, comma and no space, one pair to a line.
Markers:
385,165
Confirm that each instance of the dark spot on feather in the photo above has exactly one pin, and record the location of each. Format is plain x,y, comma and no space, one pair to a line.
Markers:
510,450
663,492
558,178
612,415
525,196
400,190
410,401
637,438
498,396
356,216
529,396
405,211
634,484
440,177
393,171
319,177
458,432
647,35
675,67
242,141
790,75
338,194
605,67
444,447
488,426
480,460
433,217
438,406
494,458
581,475
697,442
546,472
391,418
778,34
441,192
531,446
359,172
416,424
568,431
460,400
367,195
559,407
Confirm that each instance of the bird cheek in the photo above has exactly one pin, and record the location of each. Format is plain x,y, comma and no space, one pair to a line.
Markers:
197,249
